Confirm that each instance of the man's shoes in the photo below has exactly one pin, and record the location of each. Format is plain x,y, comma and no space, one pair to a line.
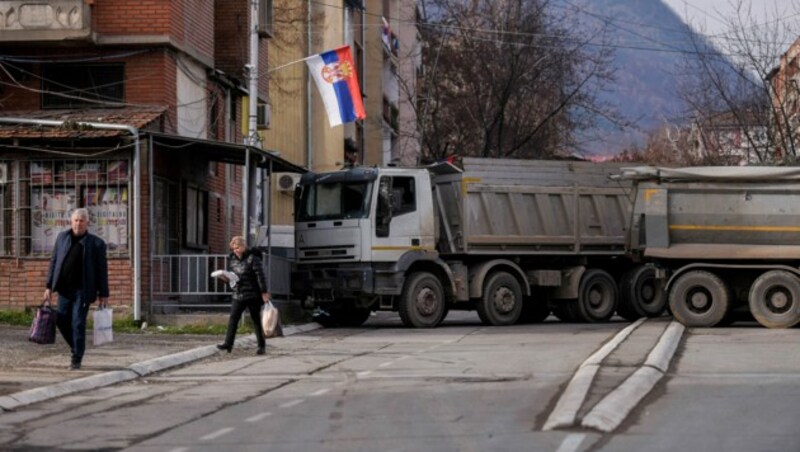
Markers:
75,365
260,351
226,347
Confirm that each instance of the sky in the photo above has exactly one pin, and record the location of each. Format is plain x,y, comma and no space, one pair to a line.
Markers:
710,14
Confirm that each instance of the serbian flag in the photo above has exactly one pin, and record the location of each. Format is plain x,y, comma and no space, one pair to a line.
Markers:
337,82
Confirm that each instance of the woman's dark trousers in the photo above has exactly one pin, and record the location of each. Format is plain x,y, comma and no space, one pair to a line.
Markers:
237,308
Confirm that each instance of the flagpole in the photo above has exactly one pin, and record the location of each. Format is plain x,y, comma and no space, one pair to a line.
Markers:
301,60
291,63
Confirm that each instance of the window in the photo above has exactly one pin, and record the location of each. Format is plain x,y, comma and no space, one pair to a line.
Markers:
265,17
354,35
196,231
166,217
56,187
81,85
403,195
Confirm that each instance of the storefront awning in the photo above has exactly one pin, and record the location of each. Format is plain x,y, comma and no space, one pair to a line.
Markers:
224,152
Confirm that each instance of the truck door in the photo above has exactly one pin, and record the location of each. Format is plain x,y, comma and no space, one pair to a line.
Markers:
397,221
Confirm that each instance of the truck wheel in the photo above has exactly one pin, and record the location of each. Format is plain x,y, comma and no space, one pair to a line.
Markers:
502,300
775,299
597,296
699,299
534,308
422,302
641,295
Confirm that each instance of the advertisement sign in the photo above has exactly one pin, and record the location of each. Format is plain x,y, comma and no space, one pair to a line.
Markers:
51,211
108,207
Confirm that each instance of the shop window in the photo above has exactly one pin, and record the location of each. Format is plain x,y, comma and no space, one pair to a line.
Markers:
57,187
196,223
6,210
166,217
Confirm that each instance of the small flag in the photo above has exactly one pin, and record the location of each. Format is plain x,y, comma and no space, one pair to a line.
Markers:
335,75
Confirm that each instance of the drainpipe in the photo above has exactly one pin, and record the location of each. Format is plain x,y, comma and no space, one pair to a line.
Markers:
137,217
309,151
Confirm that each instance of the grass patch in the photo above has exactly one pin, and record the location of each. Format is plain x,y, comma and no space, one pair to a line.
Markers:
126,324
16,318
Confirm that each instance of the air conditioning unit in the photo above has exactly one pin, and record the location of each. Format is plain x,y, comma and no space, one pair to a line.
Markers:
263,116
285,182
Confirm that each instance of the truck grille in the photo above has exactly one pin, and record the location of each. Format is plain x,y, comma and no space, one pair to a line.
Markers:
320,253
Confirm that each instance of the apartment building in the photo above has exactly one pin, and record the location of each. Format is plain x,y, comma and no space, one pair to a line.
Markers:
135,110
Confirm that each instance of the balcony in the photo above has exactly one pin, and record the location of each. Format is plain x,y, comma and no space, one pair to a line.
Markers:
59,20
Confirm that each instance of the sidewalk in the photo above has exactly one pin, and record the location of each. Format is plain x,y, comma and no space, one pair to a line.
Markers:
31,373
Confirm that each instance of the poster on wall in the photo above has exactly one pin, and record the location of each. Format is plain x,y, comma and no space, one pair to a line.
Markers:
108,207
51,211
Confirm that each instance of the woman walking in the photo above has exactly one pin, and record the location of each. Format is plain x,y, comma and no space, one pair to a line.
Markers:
250,291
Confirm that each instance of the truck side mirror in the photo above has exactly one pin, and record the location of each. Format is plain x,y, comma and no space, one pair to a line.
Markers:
383,216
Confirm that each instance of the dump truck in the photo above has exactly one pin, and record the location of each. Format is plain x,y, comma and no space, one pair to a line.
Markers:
511,239
725,240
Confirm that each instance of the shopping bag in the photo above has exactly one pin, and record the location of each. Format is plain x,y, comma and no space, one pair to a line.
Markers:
43,329
271,320
103,332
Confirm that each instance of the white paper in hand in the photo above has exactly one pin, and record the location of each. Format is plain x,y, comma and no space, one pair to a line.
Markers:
228,277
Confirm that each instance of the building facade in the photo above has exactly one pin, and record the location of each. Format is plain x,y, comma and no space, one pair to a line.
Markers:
136,111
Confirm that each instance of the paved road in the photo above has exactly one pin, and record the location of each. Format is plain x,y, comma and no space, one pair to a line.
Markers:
459,387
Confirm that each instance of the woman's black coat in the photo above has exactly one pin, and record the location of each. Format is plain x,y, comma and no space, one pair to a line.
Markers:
252,282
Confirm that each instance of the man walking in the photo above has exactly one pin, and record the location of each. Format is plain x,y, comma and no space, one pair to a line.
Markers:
79,274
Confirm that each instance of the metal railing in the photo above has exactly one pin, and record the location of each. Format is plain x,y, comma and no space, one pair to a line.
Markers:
184,280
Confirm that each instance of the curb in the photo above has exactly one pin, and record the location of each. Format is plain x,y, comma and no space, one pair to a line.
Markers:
566,410
614,407
12,401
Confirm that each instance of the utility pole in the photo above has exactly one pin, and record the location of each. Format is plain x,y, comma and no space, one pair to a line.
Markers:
252,132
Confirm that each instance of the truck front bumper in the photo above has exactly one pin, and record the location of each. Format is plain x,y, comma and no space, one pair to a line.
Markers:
320,284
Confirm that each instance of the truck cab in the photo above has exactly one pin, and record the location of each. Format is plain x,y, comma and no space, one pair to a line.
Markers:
355,230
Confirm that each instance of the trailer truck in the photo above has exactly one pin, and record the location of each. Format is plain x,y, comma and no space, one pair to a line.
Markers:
724,239
511,239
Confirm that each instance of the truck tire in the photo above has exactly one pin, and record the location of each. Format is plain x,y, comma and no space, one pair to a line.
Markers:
597,296
640,294
774,299
422,302
501,303
534,308
699,299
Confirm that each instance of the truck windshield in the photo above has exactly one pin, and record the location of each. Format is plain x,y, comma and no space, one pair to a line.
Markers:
335,201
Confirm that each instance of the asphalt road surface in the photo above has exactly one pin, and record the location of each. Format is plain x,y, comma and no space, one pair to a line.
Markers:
460,387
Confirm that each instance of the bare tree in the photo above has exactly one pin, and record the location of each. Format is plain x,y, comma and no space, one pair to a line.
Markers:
507,78
730,94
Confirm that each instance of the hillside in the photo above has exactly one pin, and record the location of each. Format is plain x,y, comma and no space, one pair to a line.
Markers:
651,42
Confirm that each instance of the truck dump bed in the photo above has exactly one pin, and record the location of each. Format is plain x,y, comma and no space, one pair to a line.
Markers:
717,213
530,207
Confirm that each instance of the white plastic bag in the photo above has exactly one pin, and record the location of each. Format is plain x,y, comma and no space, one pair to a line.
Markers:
226,276
271,321
103,331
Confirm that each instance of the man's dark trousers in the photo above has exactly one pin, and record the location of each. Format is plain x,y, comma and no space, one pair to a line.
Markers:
72,322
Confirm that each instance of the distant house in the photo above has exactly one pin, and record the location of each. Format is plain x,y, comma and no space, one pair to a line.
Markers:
728,138
785,81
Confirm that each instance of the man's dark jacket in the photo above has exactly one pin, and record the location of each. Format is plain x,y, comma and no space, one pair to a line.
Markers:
252,282
95,265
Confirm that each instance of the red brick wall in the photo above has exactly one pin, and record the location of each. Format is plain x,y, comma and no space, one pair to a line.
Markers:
22,282
189,22
122,17
231,37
